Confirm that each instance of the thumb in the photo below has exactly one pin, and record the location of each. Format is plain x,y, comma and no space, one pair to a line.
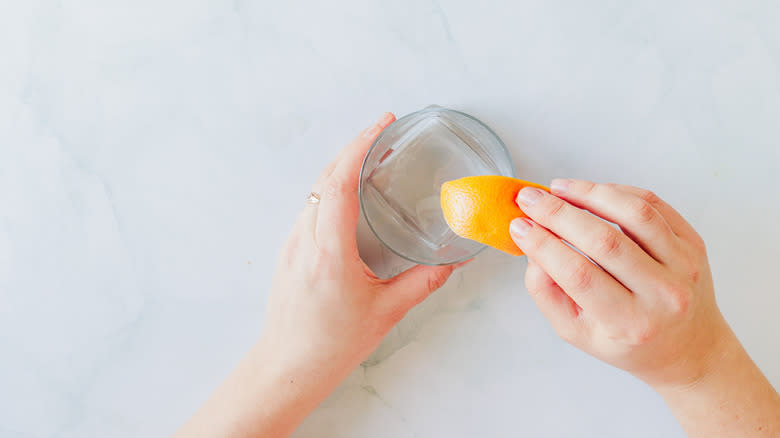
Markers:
412,286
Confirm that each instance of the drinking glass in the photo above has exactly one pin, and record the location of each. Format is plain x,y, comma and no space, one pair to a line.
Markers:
402,174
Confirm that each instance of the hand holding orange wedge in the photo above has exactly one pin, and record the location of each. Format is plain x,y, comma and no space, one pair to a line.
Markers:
481,207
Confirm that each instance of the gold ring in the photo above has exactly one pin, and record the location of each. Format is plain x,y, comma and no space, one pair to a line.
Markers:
313,198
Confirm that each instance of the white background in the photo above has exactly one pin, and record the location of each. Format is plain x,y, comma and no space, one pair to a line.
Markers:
153,155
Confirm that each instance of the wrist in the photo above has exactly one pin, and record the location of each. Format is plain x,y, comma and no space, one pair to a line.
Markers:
730,398
723,356
254,400
302,381
265,395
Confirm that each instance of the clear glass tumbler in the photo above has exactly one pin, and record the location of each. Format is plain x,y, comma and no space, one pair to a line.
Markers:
402,174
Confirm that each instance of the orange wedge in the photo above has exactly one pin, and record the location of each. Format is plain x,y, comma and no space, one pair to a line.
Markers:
481,207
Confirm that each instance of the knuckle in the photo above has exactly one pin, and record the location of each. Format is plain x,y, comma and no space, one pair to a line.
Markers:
692,270
534,291
679,304
437,279
694,275
320,265
580,277
642,331
337,187
641,211
534,283
586,188
326,172
539,243
576,332
568,334
677,298
668,287
608,242
699,244
554,207
649,197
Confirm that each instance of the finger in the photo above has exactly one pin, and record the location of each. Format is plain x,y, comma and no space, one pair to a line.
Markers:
639,219
338,212
606,245
589,286
461,264
412,286
309,213
552,301
306,222
320,183
679,225
328,170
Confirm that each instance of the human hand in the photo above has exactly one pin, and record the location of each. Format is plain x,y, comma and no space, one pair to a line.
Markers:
327,311
648,307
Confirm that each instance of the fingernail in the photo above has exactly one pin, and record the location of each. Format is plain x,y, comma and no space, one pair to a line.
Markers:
529,196
371,132
385,119
519,227
463,263
560,185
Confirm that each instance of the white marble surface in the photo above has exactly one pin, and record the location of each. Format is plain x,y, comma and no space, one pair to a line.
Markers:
154,153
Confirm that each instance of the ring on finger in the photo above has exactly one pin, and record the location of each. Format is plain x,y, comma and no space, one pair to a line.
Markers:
313,198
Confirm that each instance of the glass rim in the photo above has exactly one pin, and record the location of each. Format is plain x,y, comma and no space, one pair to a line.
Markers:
430,108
